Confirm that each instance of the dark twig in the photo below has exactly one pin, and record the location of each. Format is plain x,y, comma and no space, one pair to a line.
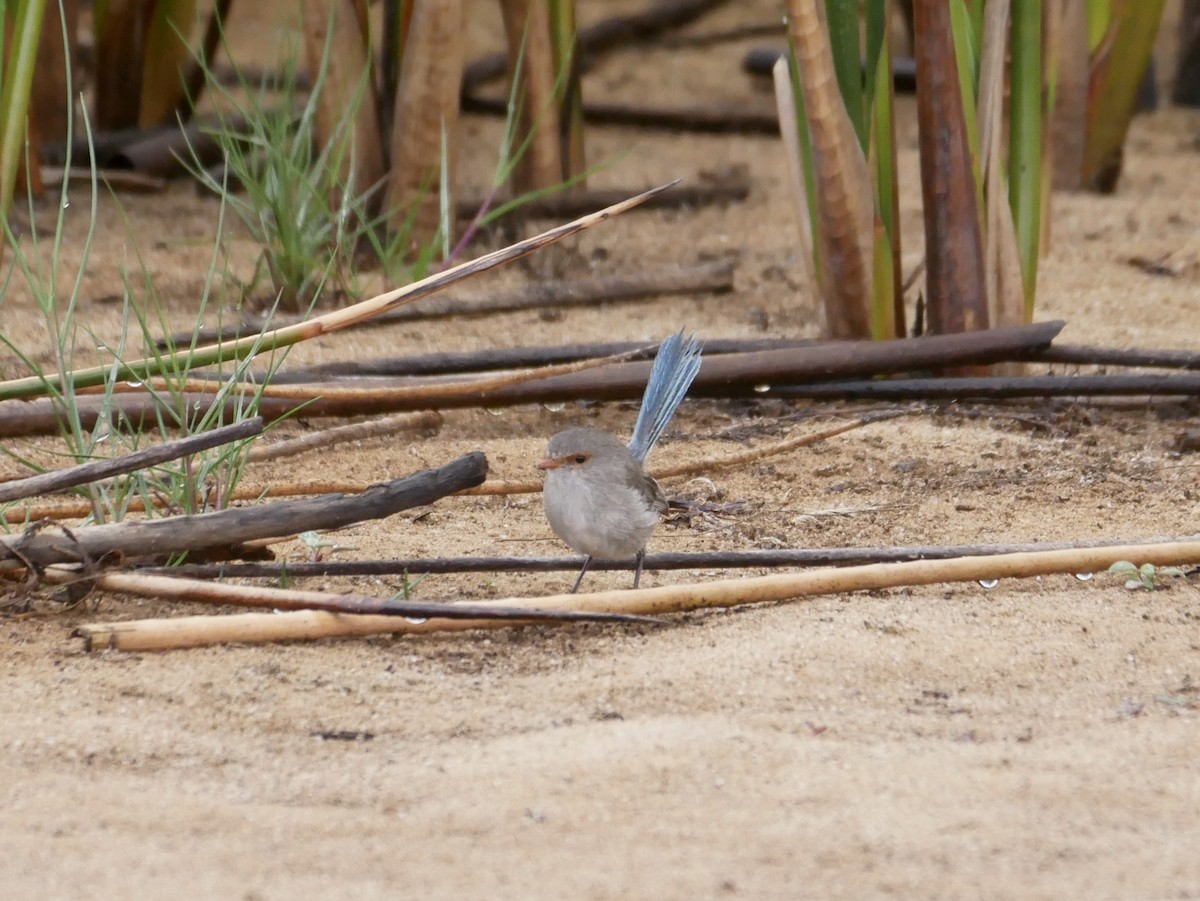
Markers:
753,559
1085,355
48,482
240,525
618,31
998,387
714,119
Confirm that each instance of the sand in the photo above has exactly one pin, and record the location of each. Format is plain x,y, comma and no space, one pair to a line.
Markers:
1034,740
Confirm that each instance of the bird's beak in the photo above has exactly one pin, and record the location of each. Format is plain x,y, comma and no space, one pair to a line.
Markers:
551,463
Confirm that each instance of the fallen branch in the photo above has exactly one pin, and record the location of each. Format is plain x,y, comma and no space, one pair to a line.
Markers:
490,358
1085,355
239,525
660,562
429,421
715,278
85,473
246,628
176,589
997,387
729,375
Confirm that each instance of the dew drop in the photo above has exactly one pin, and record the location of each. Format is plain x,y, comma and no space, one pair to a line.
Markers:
416,620
761,389
555,408
133,384
989,583
493,411
1084,577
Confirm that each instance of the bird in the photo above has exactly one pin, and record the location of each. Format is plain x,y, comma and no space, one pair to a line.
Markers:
597,495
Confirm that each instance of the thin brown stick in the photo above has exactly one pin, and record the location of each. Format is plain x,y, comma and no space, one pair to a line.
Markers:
714,278
176,589
239,525
166,634
709,119
429,421
84,473
1150,358
660,562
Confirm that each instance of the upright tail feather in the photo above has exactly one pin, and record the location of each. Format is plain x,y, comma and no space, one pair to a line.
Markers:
675,365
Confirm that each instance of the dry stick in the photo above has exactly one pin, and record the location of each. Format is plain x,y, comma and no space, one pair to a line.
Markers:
143,635
84,473
753,559
1084,355
716,278
509,358
699,467
170,588
236,526
715,119
357,431
998,387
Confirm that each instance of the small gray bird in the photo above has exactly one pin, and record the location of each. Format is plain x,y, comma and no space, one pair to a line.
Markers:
597,496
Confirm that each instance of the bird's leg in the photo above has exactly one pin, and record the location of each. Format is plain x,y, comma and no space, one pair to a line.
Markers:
586,564
637,573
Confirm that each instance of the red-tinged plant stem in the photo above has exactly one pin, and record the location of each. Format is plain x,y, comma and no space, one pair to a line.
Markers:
955,290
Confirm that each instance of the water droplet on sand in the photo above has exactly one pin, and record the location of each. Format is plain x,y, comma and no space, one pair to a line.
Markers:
989,583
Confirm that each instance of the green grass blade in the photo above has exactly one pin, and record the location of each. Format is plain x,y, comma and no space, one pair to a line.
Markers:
1025,139
17,81
842,18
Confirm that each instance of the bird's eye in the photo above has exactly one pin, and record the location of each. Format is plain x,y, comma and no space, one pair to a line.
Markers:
581,458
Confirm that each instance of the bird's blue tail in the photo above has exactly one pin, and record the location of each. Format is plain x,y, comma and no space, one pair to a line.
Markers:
675,365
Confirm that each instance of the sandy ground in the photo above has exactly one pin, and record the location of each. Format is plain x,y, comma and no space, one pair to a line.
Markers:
1035,740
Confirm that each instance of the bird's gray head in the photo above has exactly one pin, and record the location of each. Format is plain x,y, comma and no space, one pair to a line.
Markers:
587,451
